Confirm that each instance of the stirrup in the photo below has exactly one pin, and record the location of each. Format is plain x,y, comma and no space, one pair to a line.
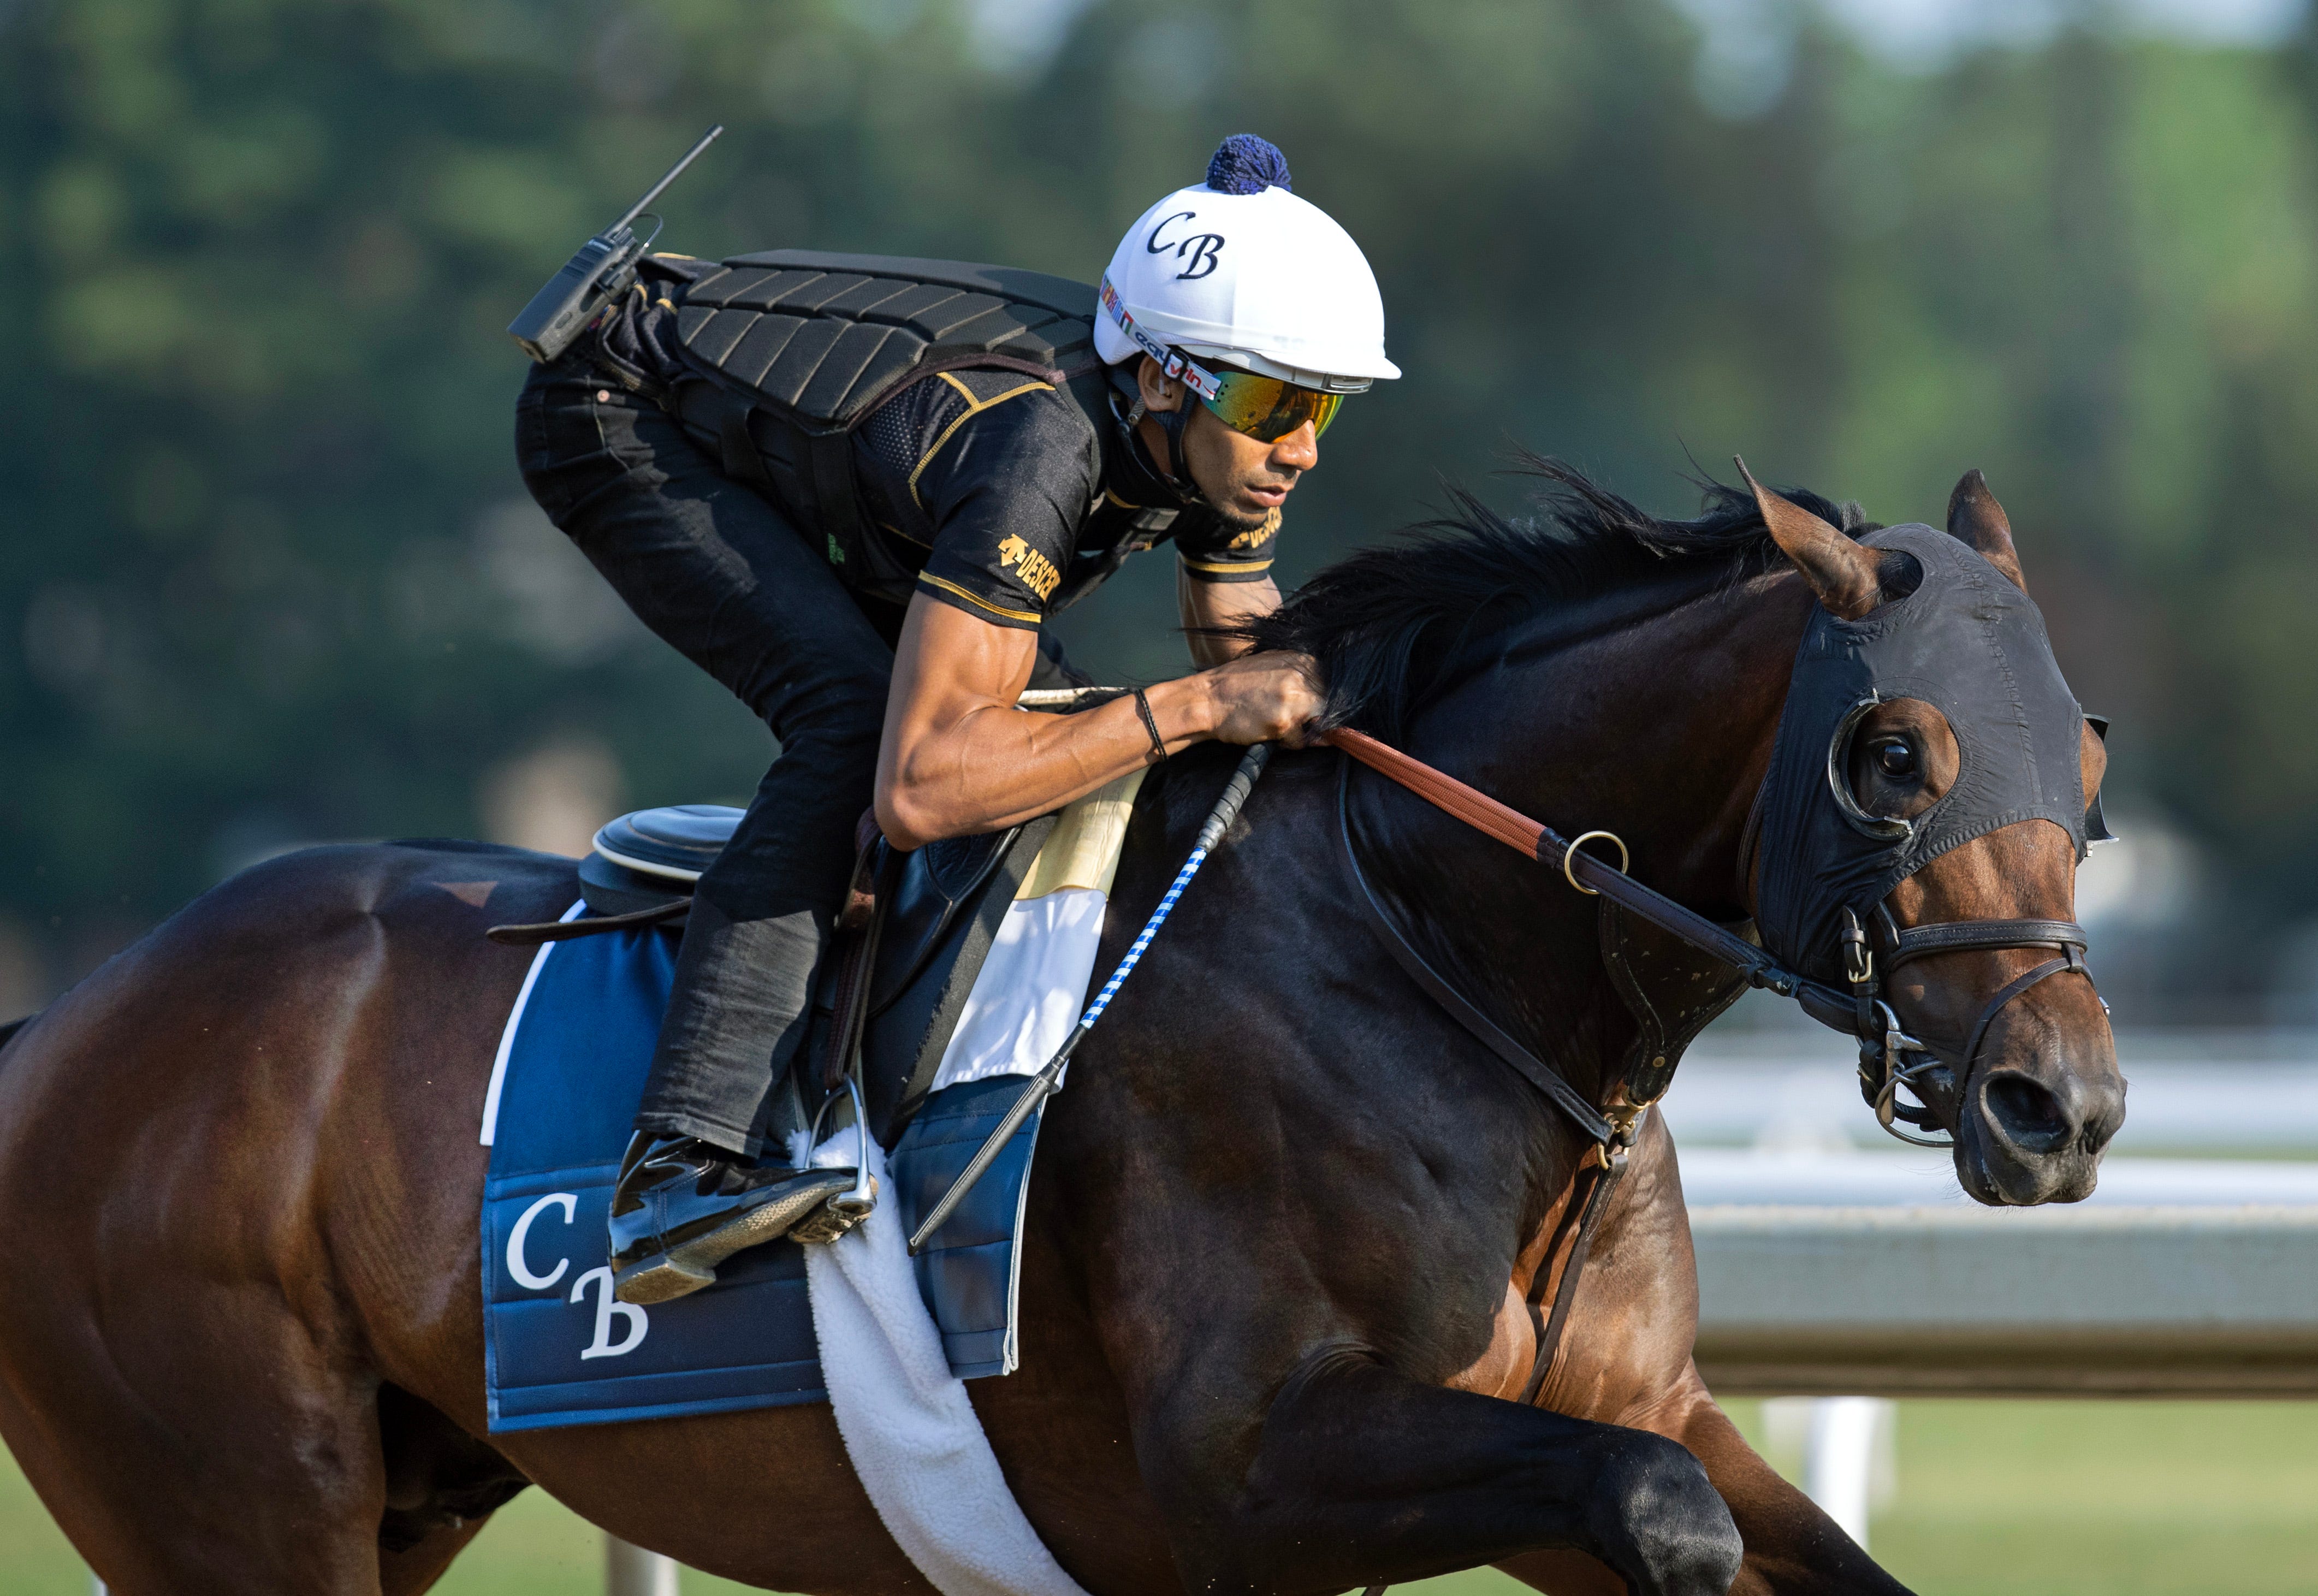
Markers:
849,1208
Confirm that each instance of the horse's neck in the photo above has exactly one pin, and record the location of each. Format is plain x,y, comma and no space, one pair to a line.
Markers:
1658,730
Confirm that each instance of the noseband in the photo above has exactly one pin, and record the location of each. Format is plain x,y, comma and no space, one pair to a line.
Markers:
1885,1046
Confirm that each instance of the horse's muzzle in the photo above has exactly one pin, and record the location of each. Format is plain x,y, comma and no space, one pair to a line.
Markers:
2039,1109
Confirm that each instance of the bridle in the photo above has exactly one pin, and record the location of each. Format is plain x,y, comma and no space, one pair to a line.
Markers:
1890,1058
1884,1044
1862,1011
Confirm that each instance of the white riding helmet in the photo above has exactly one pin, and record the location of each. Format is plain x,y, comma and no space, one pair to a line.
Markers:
1238,269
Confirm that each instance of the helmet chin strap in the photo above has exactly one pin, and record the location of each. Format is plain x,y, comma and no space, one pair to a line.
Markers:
1177,470
1174,423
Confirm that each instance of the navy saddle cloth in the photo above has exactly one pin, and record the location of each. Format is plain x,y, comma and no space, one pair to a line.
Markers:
559,1350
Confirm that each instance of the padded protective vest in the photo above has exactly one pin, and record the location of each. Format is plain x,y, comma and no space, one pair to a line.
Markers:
795,349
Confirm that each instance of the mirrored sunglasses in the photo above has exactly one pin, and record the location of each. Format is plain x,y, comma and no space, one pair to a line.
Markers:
1267,408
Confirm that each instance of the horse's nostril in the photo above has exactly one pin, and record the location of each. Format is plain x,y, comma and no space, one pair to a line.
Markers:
2027,1113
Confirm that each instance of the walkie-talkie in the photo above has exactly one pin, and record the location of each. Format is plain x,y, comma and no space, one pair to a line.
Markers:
602,269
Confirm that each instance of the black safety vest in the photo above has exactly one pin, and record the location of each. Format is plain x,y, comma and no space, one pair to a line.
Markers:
790,350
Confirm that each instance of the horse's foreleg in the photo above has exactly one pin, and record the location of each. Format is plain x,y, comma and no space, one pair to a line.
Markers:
1793,1548
1363,1474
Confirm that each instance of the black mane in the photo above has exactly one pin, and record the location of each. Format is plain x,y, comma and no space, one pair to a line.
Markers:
1390,625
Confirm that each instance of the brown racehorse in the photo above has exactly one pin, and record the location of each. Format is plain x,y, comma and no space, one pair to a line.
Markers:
1282,1223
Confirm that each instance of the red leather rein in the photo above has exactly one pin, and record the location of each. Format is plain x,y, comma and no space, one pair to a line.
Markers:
1445,793
1587,873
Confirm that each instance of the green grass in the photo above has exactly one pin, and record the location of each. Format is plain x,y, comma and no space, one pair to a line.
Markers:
2122,1499
1995,1499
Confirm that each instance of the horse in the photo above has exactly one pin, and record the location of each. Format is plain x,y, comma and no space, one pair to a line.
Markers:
1284,1222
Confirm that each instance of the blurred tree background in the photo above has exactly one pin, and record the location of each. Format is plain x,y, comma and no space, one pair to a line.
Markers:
271,576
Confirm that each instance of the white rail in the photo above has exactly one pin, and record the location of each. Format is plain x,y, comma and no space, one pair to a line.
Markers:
2141,1302
631,1571
1830,1262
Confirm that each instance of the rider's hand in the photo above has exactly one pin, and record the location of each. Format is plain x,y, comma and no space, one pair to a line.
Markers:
1263,698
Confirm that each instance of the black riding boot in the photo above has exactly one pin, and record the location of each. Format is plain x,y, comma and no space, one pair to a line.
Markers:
691,1191
682,1207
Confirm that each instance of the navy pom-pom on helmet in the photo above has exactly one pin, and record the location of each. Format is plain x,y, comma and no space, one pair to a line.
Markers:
1239,270
1244,163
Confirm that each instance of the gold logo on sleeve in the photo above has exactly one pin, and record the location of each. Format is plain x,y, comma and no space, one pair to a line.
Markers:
1037,572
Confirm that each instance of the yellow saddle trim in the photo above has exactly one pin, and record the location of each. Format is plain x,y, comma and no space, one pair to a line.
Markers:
1083,850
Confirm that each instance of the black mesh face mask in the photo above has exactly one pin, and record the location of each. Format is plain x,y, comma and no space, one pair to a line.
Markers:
1973,645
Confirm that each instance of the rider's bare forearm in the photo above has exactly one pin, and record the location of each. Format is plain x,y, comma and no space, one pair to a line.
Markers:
958,757
1204,606
996,765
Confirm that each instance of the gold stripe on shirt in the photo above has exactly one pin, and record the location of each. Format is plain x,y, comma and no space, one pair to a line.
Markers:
927,576
974,407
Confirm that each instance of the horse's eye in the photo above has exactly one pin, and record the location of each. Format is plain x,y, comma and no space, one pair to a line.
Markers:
1896,760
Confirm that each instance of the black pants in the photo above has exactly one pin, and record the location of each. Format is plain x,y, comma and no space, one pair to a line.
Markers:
722,575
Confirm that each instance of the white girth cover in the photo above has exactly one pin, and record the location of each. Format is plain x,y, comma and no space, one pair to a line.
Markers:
908,1425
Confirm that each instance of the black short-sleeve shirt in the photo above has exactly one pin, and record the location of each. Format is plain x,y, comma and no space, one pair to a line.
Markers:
1000,493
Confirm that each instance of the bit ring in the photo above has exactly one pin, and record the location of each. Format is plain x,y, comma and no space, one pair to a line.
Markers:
1570,853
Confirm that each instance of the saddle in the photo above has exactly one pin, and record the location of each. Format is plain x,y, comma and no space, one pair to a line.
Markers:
917,928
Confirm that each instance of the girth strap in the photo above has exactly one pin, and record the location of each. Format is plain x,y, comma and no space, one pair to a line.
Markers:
1531,1068
1602,1179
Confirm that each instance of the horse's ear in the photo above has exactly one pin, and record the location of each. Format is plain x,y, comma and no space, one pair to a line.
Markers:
1976,518
1841,572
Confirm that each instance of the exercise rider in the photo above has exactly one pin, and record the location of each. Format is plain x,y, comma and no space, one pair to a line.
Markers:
1233,318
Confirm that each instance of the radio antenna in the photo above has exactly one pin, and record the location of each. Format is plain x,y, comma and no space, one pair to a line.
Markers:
653,193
